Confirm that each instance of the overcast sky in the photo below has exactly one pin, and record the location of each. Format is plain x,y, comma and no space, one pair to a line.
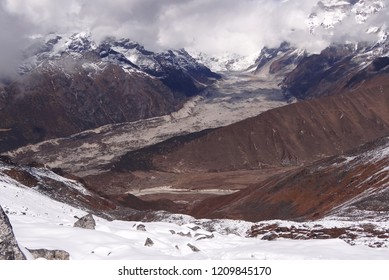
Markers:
213,26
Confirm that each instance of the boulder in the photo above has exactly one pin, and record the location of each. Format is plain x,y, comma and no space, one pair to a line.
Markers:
193,248
141,227
49,254
87,222
149,242
9,249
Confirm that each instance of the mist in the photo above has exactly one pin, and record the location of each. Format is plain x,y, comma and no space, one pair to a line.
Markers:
13,33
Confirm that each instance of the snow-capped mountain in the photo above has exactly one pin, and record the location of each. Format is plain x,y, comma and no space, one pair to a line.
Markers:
225,62
129,55
166,65
325,16
82,85
328,13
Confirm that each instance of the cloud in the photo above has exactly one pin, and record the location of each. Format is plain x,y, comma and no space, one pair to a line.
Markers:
213,26
12,34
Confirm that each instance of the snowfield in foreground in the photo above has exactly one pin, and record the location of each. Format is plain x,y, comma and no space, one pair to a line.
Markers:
40,222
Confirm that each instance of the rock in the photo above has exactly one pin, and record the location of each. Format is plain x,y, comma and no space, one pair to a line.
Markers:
270,236
149,242
87,222
195,228
172,231
49,254
141,227
9,249
193,248
185,234
203,236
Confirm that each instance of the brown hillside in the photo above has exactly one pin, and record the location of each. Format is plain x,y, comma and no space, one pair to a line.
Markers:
359,180
292,135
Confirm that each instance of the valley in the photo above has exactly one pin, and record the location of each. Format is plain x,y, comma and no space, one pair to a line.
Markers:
168,153
235,97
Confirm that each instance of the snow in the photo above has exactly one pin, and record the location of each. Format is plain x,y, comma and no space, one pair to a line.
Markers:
40,222
20,201
170,189
363,9
224,62
333,12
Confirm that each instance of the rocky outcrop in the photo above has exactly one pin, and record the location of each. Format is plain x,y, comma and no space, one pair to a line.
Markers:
9,249
149,242
49,254
141,227
278,61
193,248
349,234
86,222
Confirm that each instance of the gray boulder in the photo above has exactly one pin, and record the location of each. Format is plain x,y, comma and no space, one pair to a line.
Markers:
193,248
87,222
49,254
141,227
149,242
9,249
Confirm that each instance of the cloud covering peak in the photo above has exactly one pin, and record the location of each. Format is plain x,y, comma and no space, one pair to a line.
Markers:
212,26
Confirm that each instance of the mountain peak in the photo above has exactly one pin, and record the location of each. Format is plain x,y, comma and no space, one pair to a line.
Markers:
328,13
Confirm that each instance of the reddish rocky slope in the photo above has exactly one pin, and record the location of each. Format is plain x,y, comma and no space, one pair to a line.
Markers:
354,185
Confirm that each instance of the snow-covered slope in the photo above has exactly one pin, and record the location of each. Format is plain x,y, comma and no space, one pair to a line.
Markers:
42,223
130,55
225,62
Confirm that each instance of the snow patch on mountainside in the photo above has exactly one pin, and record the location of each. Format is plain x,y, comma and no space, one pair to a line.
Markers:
328,13
364,8
225,62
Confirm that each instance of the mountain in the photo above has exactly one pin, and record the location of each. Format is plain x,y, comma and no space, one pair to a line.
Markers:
287,136
352,186
327,14
337,69
225,62
342,66
175,68
68,84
